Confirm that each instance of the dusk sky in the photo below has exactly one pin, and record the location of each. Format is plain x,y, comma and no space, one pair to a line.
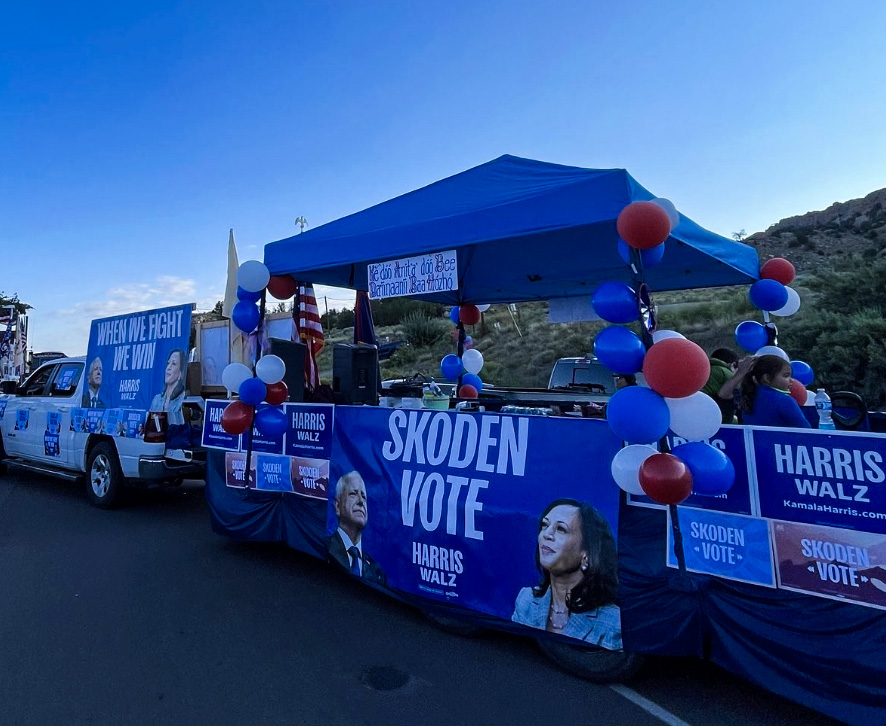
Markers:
134,135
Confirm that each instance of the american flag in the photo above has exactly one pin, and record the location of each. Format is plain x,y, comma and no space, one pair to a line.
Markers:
309,330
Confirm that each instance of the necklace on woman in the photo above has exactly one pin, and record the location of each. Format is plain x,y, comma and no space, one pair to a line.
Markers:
558,618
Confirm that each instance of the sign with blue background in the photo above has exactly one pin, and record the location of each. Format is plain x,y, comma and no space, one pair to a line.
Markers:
455,499
214,436
133,351
309,431
50,436
731,546
817,478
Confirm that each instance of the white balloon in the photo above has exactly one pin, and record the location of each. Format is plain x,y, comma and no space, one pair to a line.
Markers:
270,368
234,374
696,417
660,335
669,207
252,275
483,308
773,350
472,360
791,306
626,466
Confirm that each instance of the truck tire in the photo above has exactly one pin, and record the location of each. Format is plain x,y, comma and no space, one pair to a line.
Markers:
456,626
104,478
592,663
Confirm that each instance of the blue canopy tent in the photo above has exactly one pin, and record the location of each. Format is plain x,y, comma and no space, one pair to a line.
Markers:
523,230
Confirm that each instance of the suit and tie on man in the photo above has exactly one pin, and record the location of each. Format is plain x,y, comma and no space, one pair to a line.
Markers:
91,397
346,544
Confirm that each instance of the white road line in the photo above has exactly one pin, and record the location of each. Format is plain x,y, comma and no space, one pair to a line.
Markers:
647,705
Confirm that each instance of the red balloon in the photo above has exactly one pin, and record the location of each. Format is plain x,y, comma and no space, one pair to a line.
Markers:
676,368
798,392
237,417
277,393
665,479
469,314
778,268
467,391
643,225
282,287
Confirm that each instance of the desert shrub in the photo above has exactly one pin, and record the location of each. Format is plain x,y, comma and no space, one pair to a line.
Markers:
423,331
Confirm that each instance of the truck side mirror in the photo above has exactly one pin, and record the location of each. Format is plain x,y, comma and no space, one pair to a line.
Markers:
8,386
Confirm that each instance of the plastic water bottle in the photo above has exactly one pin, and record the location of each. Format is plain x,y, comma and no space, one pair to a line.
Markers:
823,406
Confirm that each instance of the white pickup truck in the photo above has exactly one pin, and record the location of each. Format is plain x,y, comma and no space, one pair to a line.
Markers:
44,428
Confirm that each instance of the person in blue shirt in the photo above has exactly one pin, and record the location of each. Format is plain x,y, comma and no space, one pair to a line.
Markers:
765,395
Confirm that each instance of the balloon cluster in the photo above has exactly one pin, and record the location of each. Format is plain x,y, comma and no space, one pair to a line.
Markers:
771,294
469,365
675,370
262,392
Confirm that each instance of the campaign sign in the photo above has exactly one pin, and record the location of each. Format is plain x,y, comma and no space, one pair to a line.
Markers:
822,478
67,376
78,420
834,563
310,477
433,272
478,509
214,436
94,419
235,470
260,442
50,436
731,546
134,423
21,419
113,422
272,473
738,500
309,431
139,360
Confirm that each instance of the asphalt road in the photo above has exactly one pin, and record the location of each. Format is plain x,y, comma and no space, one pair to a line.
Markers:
144,616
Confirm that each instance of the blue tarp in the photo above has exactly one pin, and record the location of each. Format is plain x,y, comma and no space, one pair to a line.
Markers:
523,230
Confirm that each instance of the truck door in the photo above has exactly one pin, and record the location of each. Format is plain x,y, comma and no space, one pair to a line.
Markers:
62,427
23,422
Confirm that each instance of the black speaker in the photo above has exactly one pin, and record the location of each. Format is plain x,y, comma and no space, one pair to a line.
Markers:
355,373
293,354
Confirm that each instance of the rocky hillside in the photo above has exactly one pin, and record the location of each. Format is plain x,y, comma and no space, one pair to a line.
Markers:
813,240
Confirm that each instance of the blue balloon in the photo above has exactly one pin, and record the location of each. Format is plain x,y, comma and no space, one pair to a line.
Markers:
252,391
248,295
802,372
615,302
712,471
638,415
619,349
245,316
472,379
271,421
451,367
453,314
650,257
751,336
768,295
